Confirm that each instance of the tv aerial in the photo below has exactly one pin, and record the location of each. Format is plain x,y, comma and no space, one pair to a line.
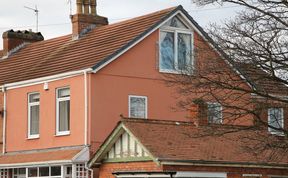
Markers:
36,14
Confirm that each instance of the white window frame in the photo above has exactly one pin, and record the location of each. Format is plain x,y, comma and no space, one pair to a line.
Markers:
176,30
221,109
32,136
146,104
269,119
61,133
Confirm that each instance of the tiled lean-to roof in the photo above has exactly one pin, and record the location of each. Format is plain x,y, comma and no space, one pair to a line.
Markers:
62,54
13,159
183,142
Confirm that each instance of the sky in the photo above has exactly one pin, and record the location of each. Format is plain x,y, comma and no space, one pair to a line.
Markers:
54,18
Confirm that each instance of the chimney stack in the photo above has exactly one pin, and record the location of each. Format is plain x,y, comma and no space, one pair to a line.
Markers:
86,18
199,113
12,40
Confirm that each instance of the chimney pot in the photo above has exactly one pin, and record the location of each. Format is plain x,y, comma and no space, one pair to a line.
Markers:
82,22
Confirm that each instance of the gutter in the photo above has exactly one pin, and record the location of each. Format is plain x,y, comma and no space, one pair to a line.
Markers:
45,79
221,164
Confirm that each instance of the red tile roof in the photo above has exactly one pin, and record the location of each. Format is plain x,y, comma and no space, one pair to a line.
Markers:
62,55
182,141
43,156
261,80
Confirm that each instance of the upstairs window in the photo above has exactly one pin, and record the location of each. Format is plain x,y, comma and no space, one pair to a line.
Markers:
63,111
138,106
275,120
33,115
214,113
175,47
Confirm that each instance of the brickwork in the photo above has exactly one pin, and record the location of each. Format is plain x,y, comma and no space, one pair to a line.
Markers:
107,169
82,21
233,172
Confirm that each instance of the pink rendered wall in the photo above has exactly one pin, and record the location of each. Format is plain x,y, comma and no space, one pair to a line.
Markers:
17,111
134,73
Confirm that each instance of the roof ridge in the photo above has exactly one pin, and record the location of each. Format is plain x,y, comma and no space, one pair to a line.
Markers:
156,121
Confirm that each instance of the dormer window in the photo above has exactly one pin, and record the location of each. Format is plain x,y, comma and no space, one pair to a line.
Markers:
176,47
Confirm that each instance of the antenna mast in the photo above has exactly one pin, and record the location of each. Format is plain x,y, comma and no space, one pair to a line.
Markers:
36,13
70,4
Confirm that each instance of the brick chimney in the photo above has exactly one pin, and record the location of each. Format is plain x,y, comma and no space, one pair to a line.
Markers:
86,18
199,113
12,40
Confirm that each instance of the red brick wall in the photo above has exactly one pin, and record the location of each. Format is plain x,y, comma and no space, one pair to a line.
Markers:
232,172
107,169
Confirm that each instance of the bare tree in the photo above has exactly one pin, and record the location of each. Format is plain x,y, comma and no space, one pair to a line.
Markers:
248,76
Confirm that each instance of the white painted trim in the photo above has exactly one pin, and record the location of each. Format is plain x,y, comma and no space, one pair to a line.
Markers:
146,104
29,136
61,133
251,175
33,164
43,80
176,31
202,174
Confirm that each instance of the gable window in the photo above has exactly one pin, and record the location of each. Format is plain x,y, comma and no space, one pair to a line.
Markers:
63,111
33,115
275,120
214,113
175,47
138,106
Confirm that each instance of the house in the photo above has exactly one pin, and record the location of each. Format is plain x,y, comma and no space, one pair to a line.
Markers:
158,148
62,97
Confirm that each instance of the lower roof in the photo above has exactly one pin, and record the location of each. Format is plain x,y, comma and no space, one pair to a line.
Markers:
181,143
39,157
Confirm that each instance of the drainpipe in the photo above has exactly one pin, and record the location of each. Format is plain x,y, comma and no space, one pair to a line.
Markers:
85,108
4,119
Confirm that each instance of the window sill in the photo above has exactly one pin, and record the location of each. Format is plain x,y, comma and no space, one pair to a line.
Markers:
33,137
279,134
178,72
60,134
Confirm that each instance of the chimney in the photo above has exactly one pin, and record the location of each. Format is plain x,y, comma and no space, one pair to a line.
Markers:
13,40
199,113
86,18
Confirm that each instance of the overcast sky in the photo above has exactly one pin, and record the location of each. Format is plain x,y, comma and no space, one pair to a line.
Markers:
54,14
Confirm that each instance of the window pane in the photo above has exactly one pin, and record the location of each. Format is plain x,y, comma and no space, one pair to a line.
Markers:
32,172
167,50
275,118
64,115
214,113
22,171
56,171
184,51
137,107
175,22
34,97
43,171
65,92
34,120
